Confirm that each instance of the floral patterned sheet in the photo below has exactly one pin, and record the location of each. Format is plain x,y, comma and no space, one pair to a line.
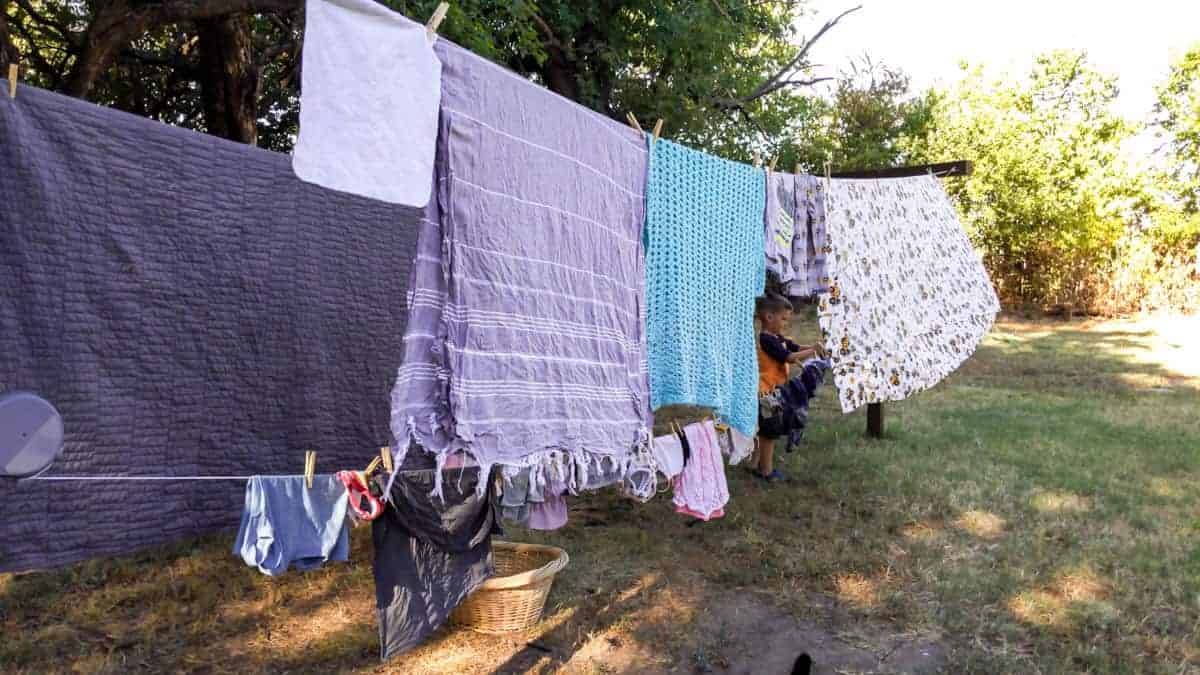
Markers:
909,299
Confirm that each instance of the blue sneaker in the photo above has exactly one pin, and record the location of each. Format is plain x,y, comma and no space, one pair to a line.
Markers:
775,476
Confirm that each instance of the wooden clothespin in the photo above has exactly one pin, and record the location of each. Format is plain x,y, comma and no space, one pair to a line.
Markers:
310,467
372,466
797,169
772,167
757,160
439,14
633,122
13,72
385,454
657,130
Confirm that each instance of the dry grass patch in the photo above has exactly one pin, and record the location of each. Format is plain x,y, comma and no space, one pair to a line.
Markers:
1056,501
982,524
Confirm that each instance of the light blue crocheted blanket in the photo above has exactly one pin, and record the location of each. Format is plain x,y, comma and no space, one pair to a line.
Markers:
704,268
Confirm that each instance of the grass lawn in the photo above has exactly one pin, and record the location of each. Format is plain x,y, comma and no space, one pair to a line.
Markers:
1037,512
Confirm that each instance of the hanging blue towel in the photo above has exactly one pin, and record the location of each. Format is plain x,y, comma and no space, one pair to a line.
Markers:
704,268
287,524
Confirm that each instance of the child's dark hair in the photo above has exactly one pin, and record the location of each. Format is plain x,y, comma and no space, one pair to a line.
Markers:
772,303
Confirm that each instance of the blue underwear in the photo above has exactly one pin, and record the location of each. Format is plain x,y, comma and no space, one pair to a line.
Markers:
287,524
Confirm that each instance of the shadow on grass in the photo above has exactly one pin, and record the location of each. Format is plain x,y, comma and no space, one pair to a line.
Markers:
1049,356
1019,502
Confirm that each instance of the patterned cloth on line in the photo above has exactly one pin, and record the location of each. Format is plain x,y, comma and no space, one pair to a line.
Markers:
525,344
810,247
701,490
909,299
704,268
780,217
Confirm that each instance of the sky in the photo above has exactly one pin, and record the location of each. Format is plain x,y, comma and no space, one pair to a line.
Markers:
927,38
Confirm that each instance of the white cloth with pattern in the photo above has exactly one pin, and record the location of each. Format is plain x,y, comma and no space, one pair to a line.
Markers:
909,299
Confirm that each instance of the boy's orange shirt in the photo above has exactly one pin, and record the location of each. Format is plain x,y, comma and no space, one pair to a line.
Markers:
771,373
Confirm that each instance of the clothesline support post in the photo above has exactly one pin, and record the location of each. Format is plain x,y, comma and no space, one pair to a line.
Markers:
875,420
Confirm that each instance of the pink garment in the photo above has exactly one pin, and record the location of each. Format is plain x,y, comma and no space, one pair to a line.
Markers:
701,490
551,512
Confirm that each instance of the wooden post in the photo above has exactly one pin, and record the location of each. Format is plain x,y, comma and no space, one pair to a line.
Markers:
875,420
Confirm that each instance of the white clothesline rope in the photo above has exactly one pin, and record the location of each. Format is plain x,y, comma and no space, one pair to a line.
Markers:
165,478
148,477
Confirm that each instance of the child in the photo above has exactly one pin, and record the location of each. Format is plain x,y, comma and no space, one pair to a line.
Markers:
775,354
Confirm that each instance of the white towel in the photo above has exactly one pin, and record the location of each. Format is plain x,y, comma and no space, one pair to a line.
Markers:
370,89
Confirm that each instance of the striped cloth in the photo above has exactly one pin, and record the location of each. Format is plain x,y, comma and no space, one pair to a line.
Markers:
525,341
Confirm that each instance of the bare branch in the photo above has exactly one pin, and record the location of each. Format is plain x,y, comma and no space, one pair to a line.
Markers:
802,54
794,83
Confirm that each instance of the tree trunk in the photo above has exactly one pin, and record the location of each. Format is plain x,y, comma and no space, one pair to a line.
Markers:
116,24
560,73
230,79
119,22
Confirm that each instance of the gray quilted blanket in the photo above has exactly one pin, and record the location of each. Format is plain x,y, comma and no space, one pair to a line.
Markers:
191,308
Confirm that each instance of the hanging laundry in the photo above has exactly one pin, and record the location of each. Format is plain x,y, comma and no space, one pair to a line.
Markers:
515,497
701,490
783,411
550,511
287,524
370,86
430,552
190,307
668,454
525,344
909,298
364,506
704,268
810,247
734,445
781,220
743,446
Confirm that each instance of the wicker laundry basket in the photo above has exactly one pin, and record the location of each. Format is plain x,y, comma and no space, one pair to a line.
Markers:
513,599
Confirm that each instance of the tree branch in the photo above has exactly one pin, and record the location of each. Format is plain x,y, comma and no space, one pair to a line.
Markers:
119,22
169,11
776,81
551,38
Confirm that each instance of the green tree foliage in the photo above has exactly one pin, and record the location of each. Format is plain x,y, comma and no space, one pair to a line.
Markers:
1050,196
1175,194
726,75
868,122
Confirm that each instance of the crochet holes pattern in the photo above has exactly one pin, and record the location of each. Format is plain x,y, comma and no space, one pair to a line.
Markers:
704,267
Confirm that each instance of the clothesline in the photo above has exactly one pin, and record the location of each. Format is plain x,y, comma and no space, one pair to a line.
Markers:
189,478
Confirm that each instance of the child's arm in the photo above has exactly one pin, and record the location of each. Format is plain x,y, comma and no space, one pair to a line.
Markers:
804,353
801,353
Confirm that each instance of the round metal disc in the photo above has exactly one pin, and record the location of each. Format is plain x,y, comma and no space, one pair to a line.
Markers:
31,434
